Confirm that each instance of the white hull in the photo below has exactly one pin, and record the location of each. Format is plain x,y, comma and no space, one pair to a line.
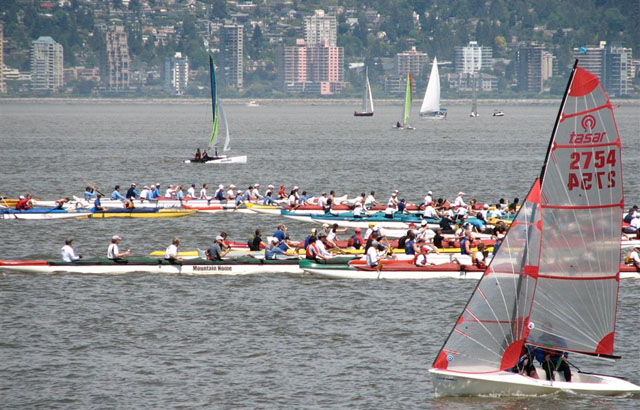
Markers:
433,116
222,269
449,383
404,275
47,216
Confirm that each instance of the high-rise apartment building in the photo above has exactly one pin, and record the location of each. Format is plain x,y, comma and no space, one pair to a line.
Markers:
313,70
320,29
176,74
231,55
612,65
46,65
472,58
292,67
412,61
115,67
529,67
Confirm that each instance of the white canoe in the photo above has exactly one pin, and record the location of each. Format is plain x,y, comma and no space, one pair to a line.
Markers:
11,214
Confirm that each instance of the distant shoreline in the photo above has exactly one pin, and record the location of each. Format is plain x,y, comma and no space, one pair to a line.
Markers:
495,102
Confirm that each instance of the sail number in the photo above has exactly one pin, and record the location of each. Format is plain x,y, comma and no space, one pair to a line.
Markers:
587,180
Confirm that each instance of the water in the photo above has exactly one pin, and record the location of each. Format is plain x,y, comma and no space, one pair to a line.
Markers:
78,341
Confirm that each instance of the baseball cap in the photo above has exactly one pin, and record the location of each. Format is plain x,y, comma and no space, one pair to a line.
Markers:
325,225
295,187
371,224
424,248
429,192
115,238
486,206
461,193
270,186
424,222
275,240
374,243
412,225
358,230
219,238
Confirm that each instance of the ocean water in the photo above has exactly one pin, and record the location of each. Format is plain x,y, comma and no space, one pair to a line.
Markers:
274,341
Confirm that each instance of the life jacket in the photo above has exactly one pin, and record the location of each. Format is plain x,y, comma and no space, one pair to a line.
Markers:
311,251
354,241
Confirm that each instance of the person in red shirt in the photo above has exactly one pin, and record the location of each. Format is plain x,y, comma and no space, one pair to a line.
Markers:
24,203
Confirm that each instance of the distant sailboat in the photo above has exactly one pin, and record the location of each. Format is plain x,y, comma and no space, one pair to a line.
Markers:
407,107
474,100
213,142
367,99
431,104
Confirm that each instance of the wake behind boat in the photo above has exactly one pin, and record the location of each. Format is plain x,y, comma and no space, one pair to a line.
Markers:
218,111
548,290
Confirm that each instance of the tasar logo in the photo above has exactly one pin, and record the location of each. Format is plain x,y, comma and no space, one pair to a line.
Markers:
588,124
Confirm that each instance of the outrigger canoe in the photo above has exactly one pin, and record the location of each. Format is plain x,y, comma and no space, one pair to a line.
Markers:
238,266
42,213
404,269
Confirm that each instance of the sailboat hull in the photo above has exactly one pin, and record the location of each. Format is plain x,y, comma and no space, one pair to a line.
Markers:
449,383
221,160
362,114
440,115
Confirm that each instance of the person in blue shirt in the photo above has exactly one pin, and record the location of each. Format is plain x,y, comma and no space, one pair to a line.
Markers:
116,193
273,250
268,199
156,192
89,193
180,194
97,205
280,233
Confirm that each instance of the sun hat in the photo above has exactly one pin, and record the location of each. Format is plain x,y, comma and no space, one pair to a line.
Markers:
371,224
115,238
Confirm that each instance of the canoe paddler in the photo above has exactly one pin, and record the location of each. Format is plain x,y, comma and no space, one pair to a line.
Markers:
113,251
171,254
273,250
369,231
67,252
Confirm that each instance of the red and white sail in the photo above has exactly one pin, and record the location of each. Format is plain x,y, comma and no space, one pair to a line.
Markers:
554,280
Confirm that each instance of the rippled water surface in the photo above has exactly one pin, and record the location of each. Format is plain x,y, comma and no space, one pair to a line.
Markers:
275,341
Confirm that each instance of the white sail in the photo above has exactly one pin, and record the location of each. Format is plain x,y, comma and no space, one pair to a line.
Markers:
226,129
369,93
431,102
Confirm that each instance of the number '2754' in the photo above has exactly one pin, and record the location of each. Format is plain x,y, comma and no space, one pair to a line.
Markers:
587,180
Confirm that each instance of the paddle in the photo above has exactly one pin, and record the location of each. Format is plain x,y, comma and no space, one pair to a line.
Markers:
8,207
93,187
386,252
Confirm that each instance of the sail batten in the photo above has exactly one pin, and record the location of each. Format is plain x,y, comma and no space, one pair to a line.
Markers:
553,283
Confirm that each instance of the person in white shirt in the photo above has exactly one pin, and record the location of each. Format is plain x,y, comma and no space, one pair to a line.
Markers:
67,252
191,192
357,210
255,193
428,198
373,257
113,252
231,192
144,194
170,192
369,231
269,190
635,223
171,254
495,213
459,201
370,202
635,257
430,211
322,200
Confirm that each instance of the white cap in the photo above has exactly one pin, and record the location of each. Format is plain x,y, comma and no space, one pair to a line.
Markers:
256,185
232,186
461,193
158,184
295,187
424,222
325,225
270,186
115,238
396,191
21,196
486,206
219,238
220,186
146,187
394,194
239,191
429,192
133,184
275,240
374,243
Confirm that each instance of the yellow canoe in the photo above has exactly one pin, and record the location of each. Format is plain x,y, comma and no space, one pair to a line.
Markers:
142,213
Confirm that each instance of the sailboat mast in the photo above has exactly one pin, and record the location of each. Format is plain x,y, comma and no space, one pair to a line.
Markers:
555,125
